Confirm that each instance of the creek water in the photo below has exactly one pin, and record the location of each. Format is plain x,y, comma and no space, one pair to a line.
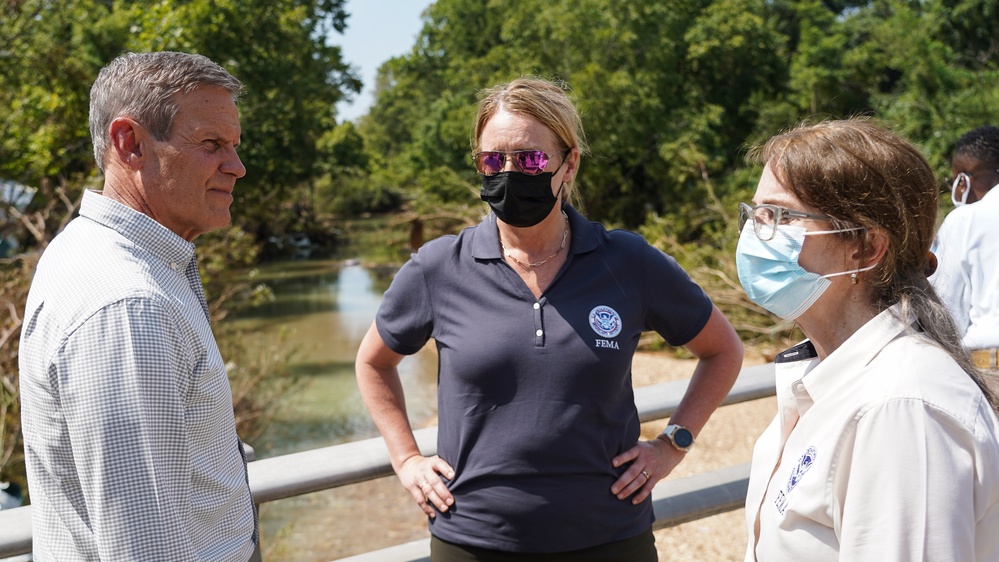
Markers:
321,311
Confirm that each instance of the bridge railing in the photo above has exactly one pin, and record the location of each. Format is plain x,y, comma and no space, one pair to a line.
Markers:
675,500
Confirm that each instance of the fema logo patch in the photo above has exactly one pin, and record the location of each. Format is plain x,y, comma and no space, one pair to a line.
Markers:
605,321
805,462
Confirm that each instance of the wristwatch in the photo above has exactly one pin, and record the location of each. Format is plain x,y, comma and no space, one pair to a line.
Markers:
679,436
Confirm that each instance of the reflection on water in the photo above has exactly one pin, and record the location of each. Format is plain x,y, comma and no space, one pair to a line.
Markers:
325,308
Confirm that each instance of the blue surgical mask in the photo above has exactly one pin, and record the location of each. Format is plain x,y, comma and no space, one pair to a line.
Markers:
770,273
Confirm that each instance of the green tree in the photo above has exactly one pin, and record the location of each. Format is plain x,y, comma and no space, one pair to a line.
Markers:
672,92
48,59
659,84
282,50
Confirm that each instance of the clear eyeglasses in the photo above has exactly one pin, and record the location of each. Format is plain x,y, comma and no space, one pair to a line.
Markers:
766,218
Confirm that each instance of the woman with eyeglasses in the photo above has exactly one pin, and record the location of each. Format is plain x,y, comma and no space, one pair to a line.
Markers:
967,245
886,443
536,313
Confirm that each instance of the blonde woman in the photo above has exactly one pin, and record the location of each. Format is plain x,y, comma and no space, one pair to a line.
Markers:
536,313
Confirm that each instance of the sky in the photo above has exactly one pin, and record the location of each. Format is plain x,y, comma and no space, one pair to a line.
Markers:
377,30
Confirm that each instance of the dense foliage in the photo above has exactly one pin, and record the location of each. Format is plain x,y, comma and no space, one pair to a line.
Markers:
282,50
672,92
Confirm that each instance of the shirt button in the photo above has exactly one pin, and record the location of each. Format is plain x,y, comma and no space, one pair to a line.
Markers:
538,333
798,387
537,306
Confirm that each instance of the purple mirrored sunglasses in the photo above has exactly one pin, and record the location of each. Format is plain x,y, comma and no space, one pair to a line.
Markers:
530,162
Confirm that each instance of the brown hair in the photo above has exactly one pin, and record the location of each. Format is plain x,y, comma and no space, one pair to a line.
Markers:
542,100
862,174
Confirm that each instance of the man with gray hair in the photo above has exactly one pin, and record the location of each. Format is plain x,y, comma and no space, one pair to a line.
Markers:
129,434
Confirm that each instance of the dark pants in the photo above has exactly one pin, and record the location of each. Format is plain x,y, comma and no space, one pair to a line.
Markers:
641,548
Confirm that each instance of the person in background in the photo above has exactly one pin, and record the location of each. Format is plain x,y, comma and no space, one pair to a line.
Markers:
536,313
885,445
129,433
967,245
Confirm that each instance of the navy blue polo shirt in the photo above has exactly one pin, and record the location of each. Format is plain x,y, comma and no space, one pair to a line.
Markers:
535,395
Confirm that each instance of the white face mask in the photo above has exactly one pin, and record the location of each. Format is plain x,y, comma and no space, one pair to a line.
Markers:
962,181
771,275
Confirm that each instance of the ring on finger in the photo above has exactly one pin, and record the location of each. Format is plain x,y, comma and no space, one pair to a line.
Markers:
645,473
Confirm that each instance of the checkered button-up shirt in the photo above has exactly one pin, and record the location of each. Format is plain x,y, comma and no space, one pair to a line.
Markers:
129,436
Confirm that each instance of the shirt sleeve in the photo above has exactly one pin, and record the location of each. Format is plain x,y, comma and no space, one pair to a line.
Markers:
122,377
951,278
405,317
677,307
909,493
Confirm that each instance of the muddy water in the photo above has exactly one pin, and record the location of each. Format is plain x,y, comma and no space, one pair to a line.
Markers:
322,309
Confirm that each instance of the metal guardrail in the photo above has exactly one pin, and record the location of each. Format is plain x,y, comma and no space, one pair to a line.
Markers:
675,501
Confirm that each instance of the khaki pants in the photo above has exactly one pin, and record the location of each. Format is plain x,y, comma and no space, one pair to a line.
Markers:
986,358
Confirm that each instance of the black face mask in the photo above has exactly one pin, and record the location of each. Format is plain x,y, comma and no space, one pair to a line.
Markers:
519,199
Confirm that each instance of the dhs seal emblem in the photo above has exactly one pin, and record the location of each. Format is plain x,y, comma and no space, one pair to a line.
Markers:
804,463
605,321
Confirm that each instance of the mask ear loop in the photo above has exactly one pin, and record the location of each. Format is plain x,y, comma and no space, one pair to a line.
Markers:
853,272
558,194
953,189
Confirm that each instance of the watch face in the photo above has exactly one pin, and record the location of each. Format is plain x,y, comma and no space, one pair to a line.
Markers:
683,438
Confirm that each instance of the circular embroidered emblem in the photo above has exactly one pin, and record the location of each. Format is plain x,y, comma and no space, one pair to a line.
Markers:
605,321
804,463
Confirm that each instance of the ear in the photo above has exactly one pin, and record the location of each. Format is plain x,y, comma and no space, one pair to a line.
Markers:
873,247
127,139
571,165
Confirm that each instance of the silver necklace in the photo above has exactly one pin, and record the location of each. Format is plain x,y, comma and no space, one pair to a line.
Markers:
565,236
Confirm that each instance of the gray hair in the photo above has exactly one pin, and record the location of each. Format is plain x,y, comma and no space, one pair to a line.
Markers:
142,86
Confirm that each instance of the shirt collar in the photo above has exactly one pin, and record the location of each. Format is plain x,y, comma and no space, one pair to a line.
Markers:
845,365
486,246
990,192
138,228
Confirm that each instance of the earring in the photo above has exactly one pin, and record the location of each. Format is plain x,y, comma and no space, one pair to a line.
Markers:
853,279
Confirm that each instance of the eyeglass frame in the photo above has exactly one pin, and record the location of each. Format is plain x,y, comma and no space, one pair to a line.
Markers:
507,157
747,213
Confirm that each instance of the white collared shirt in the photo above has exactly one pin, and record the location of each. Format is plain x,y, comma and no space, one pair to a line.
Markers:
885,450
129,438
967,276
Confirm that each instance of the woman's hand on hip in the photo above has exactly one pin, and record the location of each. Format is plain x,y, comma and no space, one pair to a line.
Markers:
651,461
422,477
